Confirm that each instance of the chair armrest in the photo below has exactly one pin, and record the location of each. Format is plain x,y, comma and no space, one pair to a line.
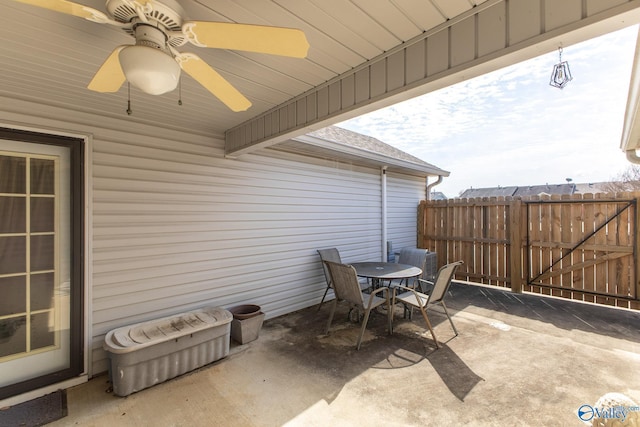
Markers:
379,290
426,285
419,296
403,287
383,290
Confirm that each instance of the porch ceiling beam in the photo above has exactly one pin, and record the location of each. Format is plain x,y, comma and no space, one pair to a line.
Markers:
490,36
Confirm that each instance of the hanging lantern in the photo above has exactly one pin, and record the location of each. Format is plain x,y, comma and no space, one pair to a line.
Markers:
561,74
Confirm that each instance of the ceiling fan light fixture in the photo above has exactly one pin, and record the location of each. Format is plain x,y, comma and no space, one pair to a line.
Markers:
149,69
159,27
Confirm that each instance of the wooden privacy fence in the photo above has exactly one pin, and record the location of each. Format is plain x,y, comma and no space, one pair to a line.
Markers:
581,247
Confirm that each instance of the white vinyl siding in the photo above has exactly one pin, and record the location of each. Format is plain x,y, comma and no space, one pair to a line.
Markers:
175,229
174,225
403,197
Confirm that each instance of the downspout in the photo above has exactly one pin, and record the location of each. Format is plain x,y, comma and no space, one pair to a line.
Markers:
430,186
383,185
632,156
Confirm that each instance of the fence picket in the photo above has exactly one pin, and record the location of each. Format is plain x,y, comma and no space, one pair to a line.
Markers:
555,235
575,235
589,282
562,223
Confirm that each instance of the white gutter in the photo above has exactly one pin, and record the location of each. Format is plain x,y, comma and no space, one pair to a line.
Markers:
632,156
631,125
430,186
383,184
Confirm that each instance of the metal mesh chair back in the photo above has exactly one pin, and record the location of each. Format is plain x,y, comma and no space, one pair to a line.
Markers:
443,281
345,282
412,256
415,257
330,254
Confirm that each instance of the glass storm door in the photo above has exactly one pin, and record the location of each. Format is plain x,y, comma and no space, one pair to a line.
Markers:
38,302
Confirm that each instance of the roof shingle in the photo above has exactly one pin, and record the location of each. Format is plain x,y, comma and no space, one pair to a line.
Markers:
344,136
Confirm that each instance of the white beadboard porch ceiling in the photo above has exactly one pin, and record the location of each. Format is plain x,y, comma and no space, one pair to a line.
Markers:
50,57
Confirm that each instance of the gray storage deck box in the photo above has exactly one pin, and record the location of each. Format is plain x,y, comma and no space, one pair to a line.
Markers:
149,353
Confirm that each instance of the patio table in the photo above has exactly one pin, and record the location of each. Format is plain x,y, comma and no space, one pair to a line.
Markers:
378,272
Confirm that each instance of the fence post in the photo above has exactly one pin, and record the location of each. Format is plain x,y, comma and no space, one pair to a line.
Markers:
636,241
515,245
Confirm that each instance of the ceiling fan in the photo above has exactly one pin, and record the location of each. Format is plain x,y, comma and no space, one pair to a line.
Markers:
153,64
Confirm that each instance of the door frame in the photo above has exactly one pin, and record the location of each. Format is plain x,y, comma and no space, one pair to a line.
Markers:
79,361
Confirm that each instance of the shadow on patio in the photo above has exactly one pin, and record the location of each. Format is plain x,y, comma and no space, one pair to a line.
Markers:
519,360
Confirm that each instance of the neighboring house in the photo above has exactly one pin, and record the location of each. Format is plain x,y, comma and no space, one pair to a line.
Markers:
172,225
591,187
437,195
533,190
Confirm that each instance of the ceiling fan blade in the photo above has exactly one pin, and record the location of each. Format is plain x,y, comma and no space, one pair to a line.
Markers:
213,82
252,38
110,76
68,7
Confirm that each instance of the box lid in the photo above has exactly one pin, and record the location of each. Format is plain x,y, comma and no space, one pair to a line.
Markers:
166,328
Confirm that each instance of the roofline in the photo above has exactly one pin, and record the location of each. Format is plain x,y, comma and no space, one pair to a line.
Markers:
370,155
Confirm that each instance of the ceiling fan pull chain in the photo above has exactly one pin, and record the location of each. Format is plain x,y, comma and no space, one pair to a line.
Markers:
180,91
129,111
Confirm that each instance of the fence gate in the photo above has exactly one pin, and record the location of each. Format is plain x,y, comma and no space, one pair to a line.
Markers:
581,249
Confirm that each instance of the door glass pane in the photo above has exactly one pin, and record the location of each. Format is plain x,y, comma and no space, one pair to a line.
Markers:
13,211
42,291
13,254
42,253
42,176
42,214
13,178
13,335
14,295
43,330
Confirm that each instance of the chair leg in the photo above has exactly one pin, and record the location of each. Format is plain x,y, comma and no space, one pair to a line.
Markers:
323,297
407,312
333,310
391,309
426,319
363,328
390,317
450,320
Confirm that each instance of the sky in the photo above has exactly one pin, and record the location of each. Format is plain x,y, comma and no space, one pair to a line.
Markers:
510,127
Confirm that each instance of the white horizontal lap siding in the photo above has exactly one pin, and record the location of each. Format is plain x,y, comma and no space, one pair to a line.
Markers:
404,194
175,229
174,225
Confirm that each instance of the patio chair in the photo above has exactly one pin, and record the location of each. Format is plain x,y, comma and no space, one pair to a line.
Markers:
347,288
412,298
332,255
415,257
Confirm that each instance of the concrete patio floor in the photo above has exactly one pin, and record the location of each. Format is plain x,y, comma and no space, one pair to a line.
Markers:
520,360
